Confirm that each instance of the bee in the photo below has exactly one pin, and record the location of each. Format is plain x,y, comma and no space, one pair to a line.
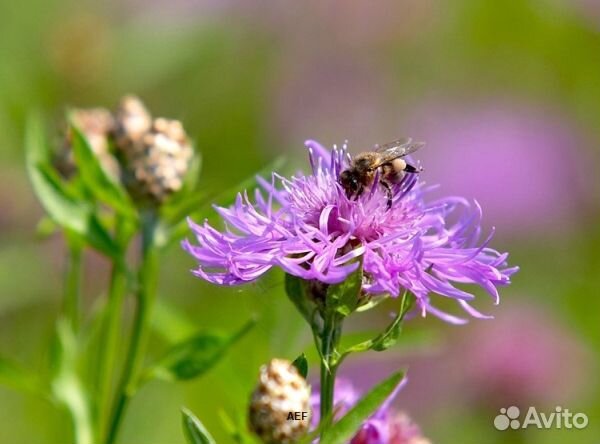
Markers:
385,159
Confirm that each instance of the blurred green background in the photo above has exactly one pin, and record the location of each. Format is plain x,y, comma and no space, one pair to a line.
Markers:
507,96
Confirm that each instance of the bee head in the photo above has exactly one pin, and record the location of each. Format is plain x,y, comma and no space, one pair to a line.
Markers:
350,182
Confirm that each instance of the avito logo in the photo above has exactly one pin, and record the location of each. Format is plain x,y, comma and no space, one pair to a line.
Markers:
560,418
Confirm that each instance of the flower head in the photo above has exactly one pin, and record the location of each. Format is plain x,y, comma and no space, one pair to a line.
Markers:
385,426
155,153
280,390
308,226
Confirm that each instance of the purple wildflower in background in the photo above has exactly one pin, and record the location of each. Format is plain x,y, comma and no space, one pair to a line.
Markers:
508,155
385,426
309,227
526,357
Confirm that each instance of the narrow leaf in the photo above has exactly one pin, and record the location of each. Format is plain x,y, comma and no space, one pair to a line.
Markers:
170,323
63,208
67,387
342,431
295,290
390,335
95,177
344,297
194,430
196,355
55,200
99,238
301,363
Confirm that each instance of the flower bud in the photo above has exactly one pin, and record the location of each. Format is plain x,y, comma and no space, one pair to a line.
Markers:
96,124
280,405
132,122
157,162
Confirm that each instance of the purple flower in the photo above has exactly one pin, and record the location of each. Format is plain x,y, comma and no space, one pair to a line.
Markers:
385,426
310,228
526,357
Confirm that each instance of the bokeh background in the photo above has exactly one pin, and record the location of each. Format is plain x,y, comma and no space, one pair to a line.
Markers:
507,97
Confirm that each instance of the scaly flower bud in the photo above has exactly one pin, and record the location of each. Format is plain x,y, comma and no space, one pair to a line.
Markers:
96,125
132,120
280,405
156,164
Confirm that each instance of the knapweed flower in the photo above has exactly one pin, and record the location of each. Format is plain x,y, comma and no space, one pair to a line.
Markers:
386,426
281,392
308,226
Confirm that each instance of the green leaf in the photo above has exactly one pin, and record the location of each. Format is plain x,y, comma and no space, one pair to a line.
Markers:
59,202
67,387
372,303
196,355
194,430
48,188
95,177
301,363
295,288
342,431
170,323
99,238
390,335
344,297
16,377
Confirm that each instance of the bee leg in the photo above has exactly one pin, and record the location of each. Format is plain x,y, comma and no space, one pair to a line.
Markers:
388,192
411,169
359,192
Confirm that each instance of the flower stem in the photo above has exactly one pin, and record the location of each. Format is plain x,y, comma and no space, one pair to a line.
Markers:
73,283
330,338
140,330
109,349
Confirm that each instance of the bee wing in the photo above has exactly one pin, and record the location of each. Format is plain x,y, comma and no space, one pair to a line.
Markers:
397,148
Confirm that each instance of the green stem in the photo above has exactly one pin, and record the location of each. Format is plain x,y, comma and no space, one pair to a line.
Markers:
140,330
111,331
73,283
330,338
